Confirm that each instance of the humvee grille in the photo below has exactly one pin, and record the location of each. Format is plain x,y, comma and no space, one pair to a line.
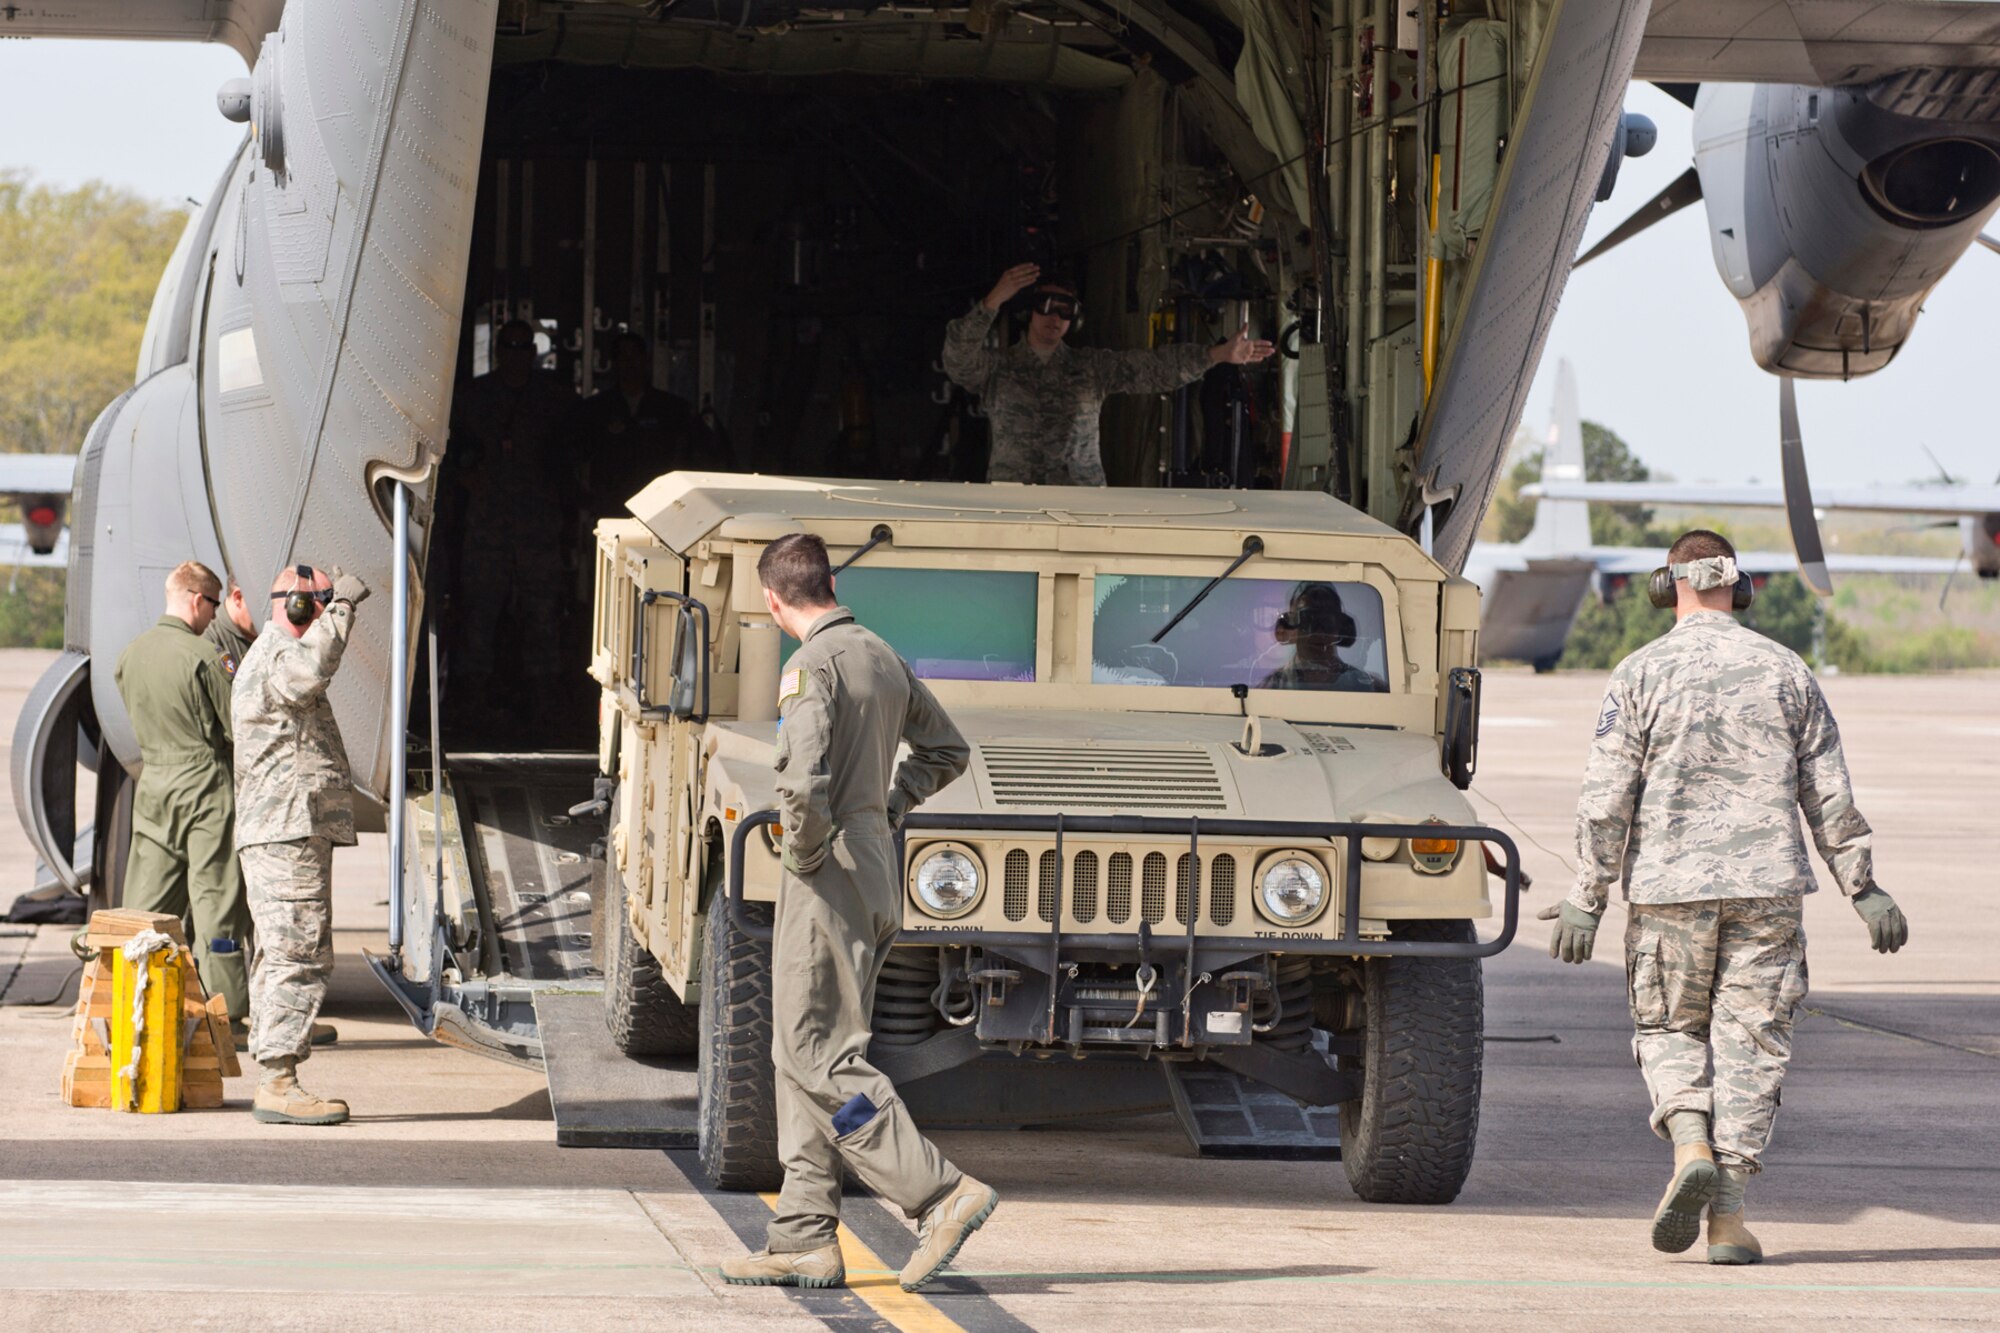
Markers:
1129,777
1083,888
1015,902
1080,893
1153,888
1118,894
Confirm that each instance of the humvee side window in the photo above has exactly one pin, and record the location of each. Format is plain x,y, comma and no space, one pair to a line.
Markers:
948,624
1269,634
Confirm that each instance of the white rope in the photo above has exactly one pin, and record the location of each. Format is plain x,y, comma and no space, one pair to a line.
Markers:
137,950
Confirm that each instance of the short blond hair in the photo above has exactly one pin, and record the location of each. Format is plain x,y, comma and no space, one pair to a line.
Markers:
194,576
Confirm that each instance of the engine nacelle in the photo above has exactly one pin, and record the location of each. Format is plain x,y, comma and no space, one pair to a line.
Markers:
1834,211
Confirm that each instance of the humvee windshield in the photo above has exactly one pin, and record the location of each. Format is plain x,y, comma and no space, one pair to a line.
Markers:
948,624
1271,634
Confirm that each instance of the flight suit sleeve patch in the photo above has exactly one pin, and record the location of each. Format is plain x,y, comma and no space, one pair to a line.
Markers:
792,683
1608,718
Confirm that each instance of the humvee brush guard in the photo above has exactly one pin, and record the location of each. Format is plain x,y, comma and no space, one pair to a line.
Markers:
1211,854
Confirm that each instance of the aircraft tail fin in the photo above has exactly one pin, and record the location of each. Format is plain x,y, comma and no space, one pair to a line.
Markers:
1562,527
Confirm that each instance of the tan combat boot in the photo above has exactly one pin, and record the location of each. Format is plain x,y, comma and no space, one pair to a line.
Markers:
945,1227
822,1267
1730,1242
281,1101
1677,1221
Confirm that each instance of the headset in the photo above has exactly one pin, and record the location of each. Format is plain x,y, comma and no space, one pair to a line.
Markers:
301,603
1660,590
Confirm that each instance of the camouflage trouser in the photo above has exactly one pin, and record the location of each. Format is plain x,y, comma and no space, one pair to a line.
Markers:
1714,986
291,899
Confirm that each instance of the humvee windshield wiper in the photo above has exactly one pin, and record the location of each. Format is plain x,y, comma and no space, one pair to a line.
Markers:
879,534
1251,546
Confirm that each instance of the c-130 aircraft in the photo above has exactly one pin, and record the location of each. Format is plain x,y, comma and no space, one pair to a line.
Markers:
788,201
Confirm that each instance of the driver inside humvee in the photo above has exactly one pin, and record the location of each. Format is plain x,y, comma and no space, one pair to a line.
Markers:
1316,628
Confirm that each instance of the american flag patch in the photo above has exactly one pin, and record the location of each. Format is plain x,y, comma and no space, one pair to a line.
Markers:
1608,718
791,683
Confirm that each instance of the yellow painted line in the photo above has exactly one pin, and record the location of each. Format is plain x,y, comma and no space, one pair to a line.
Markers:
871,1278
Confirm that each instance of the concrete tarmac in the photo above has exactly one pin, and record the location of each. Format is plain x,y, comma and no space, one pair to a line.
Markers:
445,1205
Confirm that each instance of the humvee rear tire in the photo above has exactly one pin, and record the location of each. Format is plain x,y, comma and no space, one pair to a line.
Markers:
1409,1137
641,1011
738,1142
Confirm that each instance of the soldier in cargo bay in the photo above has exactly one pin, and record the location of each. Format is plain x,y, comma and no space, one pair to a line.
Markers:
1043,397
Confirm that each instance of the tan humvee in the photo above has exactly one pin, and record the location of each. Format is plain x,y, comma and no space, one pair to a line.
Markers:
1141,894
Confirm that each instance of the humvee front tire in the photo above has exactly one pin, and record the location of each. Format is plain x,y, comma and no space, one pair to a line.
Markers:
641,1011
1409,1137
738,1142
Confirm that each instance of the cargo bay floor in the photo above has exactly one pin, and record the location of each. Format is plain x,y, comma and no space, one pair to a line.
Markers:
447,1205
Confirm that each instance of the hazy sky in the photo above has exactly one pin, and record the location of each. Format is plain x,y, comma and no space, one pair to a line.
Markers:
1659,345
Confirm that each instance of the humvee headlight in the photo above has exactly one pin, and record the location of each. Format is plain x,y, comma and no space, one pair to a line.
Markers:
1291,890
947,882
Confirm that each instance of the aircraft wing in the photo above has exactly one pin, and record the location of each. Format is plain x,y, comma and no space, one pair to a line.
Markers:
1814,42
37,474
1952,501
239,24
1636,561
14,550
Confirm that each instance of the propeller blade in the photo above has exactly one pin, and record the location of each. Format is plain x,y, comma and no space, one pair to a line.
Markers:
1798,494
1945,591
1685,190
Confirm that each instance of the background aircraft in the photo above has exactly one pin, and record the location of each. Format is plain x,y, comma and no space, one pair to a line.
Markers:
1834,207
38,486
1535,587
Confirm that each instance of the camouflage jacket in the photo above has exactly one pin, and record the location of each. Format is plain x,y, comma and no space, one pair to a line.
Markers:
1711,740
1044,411
291,767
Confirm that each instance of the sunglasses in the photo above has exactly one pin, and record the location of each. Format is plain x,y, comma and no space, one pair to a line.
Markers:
215,602
1062,307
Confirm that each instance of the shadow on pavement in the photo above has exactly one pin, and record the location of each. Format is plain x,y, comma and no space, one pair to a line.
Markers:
1040,1284
1944,1255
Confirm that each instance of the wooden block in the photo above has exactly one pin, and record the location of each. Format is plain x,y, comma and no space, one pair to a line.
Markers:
222,1038
201,1096
115,925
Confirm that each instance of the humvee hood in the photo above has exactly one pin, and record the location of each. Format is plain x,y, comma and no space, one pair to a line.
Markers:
1029,762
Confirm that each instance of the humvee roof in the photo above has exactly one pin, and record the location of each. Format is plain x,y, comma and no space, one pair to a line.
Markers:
681,508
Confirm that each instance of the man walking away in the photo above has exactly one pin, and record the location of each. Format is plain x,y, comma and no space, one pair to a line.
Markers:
1711,741
844,705
296,804
183,857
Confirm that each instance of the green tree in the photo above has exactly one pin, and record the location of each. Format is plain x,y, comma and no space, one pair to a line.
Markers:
78,269
1606,457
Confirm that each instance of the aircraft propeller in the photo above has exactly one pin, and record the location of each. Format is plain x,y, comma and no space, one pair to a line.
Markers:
1799,514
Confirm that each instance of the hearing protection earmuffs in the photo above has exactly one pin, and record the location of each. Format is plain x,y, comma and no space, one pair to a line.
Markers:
299,602
1660,590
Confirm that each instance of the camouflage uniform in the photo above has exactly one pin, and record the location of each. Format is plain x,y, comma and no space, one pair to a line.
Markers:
295,804
183,861
845,704
1044,410
1711,741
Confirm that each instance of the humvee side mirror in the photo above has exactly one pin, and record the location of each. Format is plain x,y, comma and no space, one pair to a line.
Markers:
1460,747
687,690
